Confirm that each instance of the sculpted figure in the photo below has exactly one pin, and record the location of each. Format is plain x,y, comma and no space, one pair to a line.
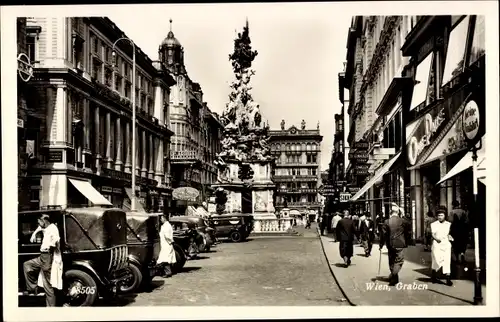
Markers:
303,125
282,124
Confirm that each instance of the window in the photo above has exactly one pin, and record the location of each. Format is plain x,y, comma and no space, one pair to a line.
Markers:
108,77
118,83
127,90
97,70
126,70
94,43
455,51
421,82
31,43
478,43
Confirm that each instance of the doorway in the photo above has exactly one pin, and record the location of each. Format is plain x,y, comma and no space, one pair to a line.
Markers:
246,202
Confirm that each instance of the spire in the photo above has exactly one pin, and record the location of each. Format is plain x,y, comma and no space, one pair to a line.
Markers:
246,22
170,24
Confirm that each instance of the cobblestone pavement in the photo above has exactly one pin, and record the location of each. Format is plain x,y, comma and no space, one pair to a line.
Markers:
363,285
262,271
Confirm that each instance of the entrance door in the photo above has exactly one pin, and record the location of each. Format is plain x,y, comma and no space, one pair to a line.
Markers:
246,202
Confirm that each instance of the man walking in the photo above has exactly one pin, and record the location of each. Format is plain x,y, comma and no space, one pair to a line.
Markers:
395,235
459,231
355,220
345,235
167,252
335,221
43,265
367,232
323,222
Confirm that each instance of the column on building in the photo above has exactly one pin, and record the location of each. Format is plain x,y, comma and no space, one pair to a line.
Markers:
137,145
108,160
158,160
128,148
416,206
144,169
151,171
118,144
158,102
86,132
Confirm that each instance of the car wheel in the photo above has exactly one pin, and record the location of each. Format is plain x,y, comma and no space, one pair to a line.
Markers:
236,236
80,289
180,260
135,282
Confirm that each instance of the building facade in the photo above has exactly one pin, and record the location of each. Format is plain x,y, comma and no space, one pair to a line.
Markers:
197,130
297,171
83,93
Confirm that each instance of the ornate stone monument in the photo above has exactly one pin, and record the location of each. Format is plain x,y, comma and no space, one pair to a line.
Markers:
244,165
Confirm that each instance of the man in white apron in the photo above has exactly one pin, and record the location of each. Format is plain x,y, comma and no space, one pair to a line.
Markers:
167,252
441,246
46,270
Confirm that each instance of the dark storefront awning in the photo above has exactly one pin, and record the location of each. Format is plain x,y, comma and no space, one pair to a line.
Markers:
383,170
90,192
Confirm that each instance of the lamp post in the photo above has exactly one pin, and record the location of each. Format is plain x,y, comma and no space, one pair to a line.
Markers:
133,201
470,128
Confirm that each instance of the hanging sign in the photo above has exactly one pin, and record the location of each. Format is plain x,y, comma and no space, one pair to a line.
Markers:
470,120
185,194
344,197
418,144
24,68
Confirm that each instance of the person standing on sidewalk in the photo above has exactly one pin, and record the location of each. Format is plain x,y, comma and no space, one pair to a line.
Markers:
429,219
379,221
345,235
323,222
459,230
367,232
166,257
335,221
441,246
355,220
395,235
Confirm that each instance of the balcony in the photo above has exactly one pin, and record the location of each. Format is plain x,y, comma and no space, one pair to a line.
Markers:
272,225
184,157
307,177
297,190
299,204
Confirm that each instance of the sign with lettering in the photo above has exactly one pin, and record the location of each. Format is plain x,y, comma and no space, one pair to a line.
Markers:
423,138
55,156
470,120
20,123
358,155
361,145
24,68
106,189
345,196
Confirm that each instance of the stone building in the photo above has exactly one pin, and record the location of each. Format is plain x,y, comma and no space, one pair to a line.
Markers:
297,171
197,130
83,94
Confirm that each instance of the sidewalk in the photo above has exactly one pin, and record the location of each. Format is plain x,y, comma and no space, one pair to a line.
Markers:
362,286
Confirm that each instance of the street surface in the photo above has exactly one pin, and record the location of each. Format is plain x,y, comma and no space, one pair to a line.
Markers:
262,271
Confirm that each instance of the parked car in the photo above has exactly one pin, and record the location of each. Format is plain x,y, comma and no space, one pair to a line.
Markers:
93,246
192,238
143,249
207,233
236,227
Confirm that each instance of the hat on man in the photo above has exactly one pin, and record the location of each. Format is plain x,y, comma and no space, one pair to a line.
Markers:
395,207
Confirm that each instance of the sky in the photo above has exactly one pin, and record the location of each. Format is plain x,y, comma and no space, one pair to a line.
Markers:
301,49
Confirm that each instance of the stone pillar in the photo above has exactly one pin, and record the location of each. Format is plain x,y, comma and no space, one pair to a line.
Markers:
137,144
128,148
97,129
144,168
158,160
118,144
151,171
416,207
443,193
86,131
108,141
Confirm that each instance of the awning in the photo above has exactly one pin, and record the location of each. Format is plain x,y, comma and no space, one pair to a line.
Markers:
138,205
410,128
466,162
90,192
383,170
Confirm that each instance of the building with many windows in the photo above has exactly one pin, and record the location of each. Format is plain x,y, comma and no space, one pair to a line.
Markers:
197,130
297,171
83,93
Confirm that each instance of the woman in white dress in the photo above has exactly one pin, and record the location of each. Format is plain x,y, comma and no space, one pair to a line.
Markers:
167,252
441,246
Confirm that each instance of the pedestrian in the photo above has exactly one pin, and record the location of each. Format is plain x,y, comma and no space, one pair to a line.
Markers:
335,221
429,219
355,220
167,253
345,235
308,222
441,246
395,235
379,221
46,269
323,222
459,231
367,232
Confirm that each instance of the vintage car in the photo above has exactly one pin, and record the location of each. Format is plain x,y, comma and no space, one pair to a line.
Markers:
236,227
143,249
94,251
192,239
207,233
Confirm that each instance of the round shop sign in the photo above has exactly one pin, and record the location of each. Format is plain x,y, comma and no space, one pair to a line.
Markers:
470,120
24,68
185,194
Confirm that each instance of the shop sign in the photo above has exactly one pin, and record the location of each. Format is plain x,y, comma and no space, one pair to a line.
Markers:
117,190
361,172
358,155
107,189
345,196
419,142
353,189
361,145
55,156
470,120
24,68
20,123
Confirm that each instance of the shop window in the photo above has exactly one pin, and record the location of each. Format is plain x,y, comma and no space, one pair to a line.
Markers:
421,82
31,43
478,42
455,51
398,133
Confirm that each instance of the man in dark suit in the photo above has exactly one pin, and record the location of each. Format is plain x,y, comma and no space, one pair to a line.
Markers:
345,235
367,232
395,235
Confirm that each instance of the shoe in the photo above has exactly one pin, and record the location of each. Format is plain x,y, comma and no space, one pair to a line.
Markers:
448,281
433,277
348,262
394,280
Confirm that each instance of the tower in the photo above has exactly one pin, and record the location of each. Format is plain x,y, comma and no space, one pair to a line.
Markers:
171,53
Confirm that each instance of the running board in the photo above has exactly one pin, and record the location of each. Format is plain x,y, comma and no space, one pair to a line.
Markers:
30,295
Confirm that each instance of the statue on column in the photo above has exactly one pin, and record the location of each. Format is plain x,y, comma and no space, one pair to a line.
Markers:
282,124
303,125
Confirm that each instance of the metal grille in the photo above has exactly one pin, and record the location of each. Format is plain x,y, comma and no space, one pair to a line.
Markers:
118,258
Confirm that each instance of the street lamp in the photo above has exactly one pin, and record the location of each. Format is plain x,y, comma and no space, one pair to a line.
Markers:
132,202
